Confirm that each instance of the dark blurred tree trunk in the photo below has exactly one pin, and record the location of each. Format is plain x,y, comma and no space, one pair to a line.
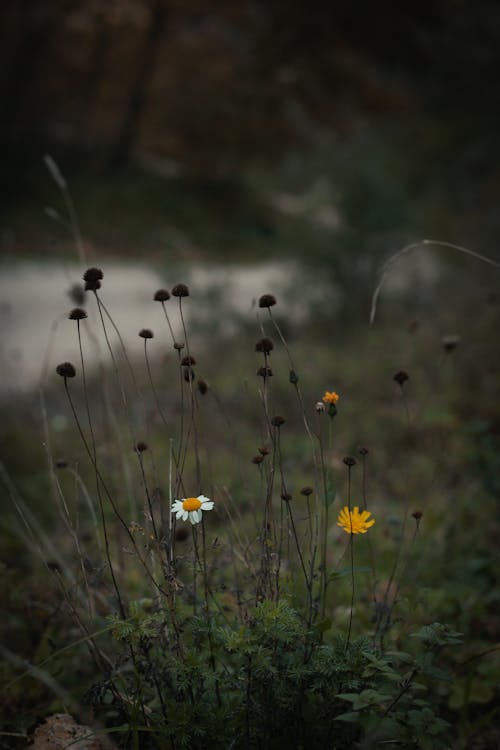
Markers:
90,84
130,122
34,32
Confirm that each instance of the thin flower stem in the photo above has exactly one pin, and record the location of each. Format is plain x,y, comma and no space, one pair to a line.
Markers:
148,495
365,507
168,322
100,308
106,538
108,493
352,556
122,344
196,562
326,511
302,563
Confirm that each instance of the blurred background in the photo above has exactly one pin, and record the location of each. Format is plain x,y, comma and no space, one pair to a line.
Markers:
246,142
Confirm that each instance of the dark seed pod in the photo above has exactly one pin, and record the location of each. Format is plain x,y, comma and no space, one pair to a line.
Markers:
66,370
264,450
161,295
202,386
264,345
93,274
61,464
180,290
267,300
189,374
417,515
141,447
349,461
92,286
277,421
77,314
306,491
146,333
363,451
401,377
178,346
286,496
257,459
77,294
265,372
188,361
451,342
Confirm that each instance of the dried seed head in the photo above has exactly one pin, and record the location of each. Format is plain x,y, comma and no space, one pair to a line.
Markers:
202,386
267,300
77,294
306,491
451,342
77,314
349,461
320,407
187,361
189,374
146,333
286,496
180,290
181,534
161,295
265,372
401,377
264,345
293,377
141,447
257,459
417,515
93,274
178,346
277,421
66,370
363,451
264,450
92,286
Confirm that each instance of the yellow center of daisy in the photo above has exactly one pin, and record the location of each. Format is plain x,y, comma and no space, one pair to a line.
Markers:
191,503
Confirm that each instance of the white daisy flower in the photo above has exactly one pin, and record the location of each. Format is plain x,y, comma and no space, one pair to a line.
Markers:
191,507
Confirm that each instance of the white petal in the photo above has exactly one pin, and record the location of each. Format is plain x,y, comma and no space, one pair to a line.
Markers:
176,506
179,513
193,517
185,515
207,505
203,499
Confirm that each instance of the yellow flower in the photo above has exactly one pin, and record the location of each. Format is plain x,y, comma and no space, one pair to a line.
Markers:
354,522
331,397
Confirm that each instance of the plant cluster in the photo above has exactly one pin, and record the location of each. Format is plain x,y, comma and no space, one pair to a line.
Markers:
222,621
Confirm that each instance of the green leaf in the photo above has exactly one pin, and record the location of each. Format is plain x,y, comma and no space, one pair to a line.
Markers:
352,717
